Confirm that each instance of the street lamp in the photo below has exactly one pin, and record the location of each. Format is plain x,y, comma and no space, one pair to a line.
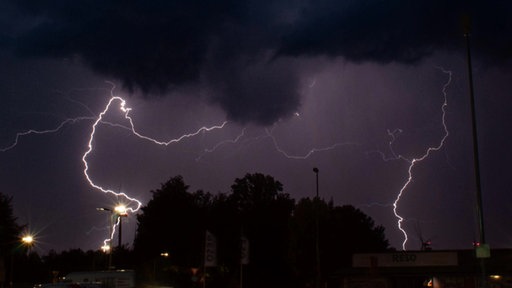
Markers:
120,209
116,213
28,241
317,230
105,248
316,172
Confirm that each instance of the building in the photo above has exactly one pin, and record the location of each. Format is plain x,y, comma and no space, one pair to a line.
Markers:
438,269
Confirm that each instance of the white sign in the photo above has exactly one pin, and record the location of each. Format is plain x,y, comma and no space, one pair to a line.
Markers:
405,259
210,250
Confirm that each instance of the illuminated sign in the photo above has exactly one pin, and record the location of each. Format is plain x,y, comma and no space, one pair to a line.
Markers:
405,259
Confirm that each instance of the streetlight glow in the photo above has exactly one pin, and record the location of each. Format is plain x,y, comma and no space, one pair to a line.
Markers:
105,248
121,210
27,239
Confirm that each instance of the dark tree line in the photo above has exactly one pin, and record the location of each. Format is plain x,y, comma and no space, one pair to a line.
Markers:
169,247
22,267
281,233
9,231
15,257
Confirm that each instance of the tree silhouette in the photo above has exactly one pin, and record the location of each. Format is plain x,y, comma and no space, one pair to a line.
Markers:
9,238
346,231
265,212
170,240
343,231
302,241
172,222
281,235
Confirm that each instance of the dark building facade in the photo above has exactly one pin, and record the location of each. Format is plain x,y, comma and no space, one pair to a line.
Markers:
438,269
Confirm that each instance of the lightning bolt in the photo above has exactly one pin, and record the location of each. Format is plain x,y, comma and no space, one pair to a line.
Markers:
413,162
385,158
308,153
222,143
135,204
126,112
268,133
33,131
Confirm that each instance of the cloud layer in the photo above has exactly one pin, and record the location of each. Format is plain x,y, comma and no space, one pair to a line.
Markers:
243,54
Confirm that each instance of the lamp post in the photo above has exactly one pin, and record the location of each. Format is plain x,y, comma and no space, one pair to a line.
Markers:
317,231
26,240
482,249
116,213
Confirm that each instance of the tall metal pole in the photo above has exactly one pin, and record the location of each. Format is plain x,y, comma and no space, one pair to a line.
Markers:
475,141
119,242
484,249
110,231
317,231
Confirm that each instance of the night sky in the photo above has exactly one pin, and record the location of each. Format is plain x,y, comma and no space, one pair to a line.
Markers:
356,88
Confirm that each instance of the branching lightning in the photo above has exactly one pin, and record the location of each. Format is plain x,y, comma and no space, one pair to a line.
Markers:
268,133
126,111
33,131
134,204
385,158
415,161
225,142
309,153
99,119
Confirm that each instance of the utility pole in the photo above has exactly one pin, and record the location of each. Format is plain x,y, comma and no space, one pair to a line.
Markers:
120,241
317,232
482,250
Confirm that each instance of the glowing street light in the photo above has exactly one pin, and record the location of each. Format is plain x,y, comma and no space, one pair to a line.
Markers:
121,210
27,240
105,248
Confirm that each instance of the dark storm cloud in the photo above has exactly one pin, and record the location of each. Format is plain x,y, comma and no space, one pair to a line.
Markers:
398,31
236,48
149,45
